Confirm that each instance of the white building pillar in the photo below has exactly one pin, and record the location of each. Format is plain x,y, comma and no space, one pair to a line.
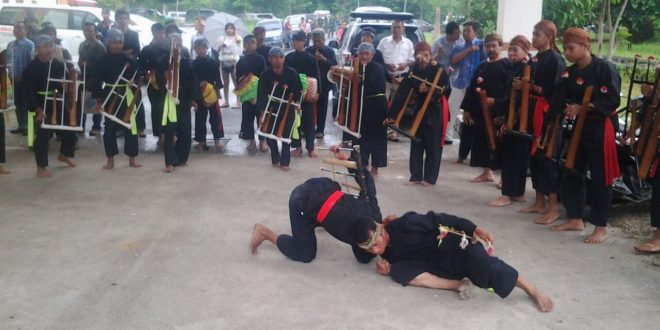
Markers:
518,17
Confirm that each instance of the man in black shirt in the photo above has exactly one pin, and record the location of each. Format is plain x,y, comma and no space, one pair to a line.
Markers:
325,59
259,33
132,49
149,57
251,64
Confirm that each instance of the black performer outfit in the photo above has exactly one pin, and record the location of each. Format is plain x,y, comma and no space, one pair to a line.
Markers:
177,152
413,249
132,43
263,50
515,149
255,64
311,205
109,68
147,61
373,140
431,129
324,85
35,77
495,78
267,79
207,69
655,195
546,70
597,149
304,63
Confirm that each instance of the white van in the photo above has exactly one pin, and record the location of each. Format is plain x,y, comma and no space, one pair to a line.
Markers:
67,20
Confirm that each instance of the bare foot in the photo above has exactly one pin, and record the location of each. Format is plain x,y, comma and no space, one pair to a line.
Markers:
285,168
219,147
67,160
598,236
312,154
483,178
297,152
459,161
465,290
536,208
570,225
548,217
650,247
374,171
133,163
169,169
543,302
252,147
412,183
42,172
4,170
519,199
500,201
257,237
426,184
263,146
110,164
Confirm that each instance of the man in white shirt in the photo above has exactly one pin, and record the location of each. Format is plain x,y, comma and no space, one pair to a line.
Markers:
398,53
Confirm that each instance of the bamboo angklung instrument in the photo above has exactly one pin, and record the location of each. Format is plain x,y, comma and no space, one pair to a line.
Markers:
577,129
488,120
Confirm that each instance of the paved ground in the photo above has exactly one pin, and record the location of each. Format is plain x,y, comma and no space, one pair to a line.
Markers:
138,248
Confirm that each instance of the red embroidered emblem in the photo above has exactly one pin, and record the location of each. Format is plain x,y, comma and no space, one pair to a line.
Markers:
564,74
535,59
579,81
477,89
603,89
480,80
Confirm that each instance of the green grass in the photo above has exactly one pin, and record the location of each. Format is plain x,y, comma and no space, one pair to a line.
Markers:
650,48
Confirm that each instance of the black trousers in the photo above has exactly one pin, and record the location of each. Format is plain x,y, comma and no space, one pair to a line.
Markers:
466,140
140,118
321,112
301,244
20,101
157,100
2,139
474,263
422,168
177,152
373,144
249,114
283,158
655,200
573,187
41,144
543,172
481,154
515,158
110,139
215,119
306,126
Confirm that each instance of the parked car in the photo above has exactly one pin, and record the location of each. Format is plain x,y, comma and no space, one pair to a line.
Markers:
258,16
148,13
274,32
67,20
423,25
381,22
194,14
179,16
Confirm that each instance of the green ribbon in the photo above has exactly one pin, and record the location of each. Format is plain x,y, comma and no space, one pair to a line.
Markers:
169,110
296,124
129,100
303,82
30,135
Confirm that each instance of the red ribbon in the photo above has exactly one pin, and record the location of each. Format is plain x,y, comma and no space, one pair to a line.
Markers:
611,160
327,206
445,119
654,168
540,109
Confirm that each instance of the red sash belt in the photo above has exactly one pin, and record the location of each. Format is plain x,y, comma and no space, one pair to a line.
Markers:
541,107
654,168
611,160
327,206
445,119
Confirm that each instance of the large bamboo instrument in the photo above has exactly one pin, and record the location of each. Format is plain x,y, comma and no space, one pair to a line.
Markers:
551,137
577,129
349,113
523,110
72,89
651,143
285,117
488,120
173,71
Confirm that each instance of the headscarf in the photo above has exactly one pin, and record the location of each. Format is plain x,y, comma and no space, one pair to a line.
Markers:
550,30
522,42
578,36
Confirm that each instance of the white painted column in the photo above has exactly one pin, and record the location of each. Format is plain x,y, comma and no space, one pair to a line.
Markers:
518,17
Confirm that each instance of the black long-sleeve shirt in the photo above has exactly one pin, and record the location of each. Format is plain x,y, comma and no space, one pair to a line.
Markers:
35,77
433,115
546,70
324,66
303,62
252,63
109,68
495,79
289,78
132,42
599,73
208,69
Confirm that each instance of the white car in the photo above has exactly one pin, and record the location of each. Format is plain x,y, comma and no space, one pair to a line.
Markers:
179,16
67,20
273,32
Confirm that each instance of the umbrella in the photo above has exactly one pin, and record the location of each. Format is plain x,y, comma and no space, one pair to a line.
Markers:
215,27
